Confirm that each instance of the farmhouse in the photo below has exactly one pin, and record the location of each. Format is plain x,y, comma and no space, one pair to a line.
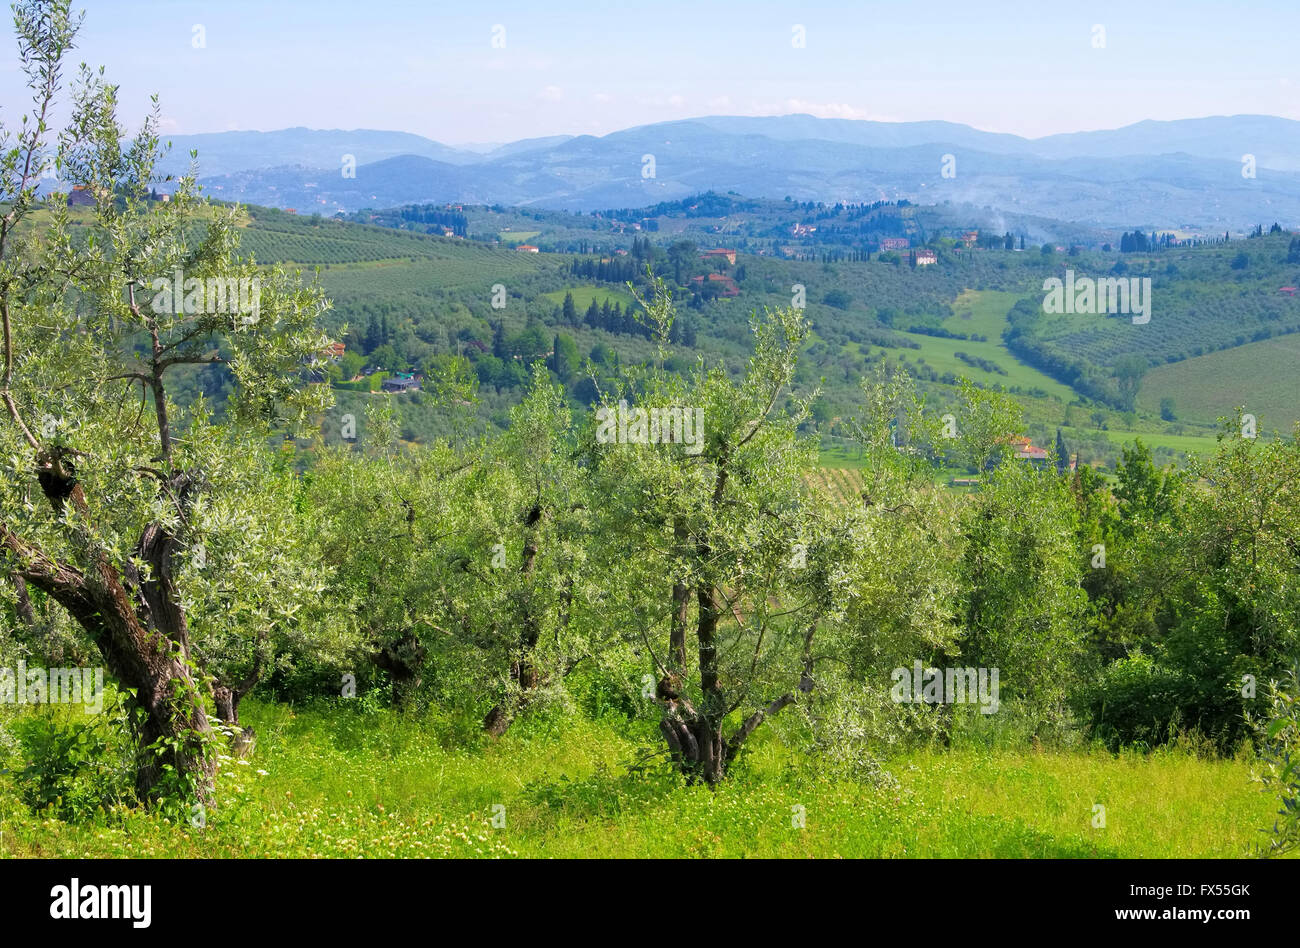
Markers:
1026,450
79,196
721,253
894,243
725,283
528,248
402,382
923,258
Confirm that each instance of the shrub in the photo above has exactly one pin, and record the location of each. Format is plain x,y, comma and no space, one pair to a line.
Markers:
1133,701
1279,738
73,764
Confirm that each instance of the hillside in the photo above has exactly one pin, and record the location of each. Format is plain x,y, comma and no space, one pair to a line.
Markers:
743,486
410,301
1261,376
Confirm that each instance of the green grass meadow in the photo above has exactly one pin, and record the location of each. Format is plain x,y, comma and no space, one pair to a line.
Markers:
583,295
345,781
517,236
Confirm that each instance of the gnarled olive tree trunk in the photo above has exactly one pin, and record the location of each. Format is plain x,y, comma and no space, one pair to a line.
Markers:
404,662
695,738
524,676
140,628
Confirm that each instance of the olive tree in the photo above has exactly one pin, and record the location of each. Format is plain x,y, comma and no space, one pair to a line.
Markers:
707,507
105,476
1023,605
1229,590
383,517
470,562
252,580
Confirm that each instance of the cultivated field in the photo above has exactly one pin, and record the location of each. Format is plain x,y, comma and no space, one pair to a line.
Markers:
1259,375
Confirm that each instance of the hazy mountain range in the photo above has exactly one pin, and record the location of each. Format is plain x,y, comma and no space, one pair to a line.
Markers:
1177,174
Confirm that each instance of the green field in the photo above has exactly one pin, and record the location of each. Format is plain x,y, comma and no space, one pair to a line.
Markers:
583,295
384,279
1263,376
349,782
981,311
940,355
517,236
1189,444
841,457
988,310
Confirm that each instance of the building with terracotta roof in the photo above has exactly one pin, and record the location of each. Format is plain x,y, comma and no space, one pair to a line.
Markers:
1025,450
79,196
726,283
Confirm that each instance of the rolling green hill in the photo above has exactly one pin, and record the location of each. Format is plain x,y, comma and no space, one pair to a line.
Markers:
1262,376
412,298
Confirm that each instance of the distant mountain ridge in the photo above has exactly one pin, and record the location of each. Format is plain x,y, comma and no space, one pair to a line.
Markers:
1179,174
229,152
1275,142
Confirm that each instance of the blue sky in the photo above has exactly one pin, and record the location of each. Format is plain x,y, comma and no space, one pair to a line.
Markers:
591,68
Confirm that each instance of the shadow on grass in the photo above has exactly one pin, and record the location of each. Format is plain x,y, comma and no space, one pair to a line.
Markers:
605,793
998,838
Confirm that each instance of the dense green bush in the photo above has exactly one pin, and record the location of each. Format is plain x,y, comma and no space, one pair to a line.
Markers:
1278,733
1196,599
70,764
1134,701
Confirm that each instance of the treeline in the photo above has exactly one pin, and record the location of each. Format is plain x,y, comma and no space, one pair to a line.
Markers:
1079,374
436,217
613,270
706,204
977,362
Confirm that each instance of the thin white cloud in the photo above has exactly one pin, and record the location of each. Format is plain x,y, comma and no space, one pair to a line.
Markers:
837,110
841,110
